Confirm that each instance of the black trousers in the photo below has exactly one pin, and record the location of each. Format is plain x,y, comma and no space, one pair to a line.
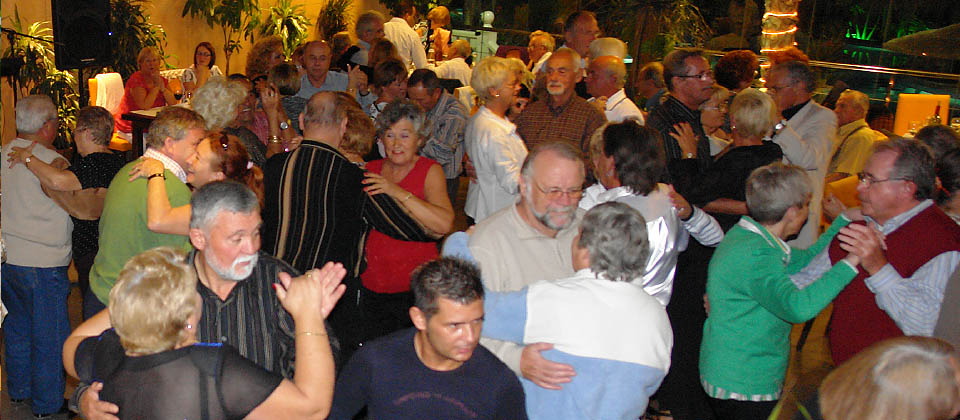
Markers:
742,410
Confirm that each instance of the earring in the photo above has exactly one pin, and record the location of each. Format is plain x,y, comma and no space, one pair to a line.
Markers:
189,326
496,96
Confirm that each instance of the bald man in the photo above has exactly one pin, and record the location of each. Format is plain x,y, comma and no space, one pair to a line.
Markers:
605,79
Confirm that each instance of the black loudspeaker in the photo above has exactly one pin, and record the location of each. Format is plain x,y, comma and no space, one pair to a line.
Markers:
81,30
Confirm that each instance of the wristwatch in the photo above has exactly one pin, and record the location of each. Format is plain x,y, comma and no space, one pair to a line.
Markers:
28,160
284,125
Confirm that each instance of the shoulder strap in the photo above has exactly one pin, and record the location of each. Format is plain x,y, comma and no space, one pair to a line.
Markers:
844,141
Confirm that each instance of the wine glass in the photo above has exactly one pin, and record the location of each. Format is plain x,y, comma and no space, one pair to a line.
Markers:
955,124
913,127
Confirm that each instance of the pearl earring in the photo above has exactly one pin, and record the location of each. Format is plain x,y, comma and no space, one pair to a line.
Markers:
189,326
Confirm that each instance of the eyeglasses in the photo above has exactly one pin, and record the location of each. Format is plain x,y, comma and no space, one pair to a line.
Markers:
868,180
705,76
776,89
722,108
556,193
203,53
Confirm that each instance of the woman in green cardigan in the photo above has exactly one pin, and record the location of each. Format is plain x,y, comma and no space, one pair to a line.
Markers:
743,357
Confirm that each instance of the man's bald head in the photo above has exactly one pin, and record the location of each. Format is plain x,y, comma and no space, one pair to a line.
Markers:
322,111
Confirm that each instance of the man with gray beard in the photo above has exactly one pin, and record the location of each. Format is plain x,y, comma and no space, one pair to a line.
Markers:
527,242
235,283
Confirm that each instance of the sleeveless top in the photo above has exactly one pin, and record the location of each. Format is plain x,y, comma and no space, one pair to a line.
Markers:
857,320
390,261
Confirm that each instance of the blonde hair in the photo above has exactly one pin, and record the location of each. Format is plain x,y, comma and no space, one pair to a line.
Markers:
152,301
753,113
440,15
360,132
257,59
172,122
217,101
142,55
904,378
546,40
491,72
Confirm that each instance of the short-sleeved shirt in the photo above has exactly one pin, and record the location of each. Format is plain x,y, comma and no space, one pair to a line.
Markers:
95,170
129,104
199,381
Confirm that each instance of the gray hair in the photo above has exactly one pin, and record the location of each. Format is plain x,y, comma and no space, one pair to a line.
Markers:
773,189
403,109
172,122
366,20
217,101
98,121
216,197
615,236
564,150
798,71
753,113
448,278
574,56
914,163
860,99
33,112
607,46
675,64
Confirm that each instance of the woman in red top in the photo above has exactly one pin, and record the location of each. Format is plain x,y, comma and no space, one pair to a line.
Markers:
145,88
418,184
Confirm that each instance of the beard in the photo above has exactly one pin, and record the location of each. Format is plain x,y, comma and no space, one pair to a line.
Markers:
234,272
545,216
555,90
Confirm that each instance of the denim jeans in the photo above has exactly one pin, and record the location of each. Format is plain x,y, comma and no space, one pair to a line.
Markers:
34,333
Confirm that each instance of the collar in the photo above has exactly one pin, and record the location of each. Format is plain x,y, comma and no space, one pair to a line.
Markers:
616,99
899,220
613,193
401,20
849,127
529,232
502,122
168,164
793,110
559,110
747,223
441,106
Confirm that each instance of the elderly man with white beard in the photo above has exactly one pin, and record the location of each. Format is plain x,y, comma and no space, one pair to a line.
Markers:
527,242
240,305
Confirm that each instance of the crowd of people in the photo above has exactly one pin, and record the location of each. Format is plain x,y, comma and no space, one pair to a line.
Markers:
285,245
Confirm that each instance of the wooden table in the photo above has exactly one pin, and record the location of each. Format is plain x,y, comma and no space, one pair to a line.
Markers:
139,121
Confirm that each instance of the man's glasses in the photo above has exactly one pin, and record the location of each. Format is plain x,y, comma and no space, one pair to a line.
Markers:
556,193
869,180
705,76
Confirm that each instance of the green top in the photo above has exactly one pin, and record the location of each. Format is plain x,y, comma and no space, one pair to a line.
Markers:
123,227
746,339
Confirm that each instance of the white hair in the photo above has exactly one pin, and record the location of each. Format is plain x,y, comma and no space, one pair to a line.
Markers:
607,46
33,112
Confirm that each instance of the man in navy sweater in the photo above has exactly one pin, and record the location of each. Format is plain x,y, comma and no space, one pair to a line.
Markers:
437,368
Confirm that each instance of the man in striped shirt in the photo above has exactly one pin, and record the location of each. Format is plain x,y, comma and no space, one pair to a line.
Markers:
316,210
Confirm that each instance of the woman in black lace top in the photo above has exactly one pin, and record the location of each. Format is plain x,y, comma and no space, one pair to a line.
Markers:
153,368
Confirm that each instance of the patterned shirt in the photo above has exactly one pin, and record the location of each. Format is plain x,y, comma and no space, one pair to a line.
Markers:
670,113
573,123
252,319
448,119
315,210
95,170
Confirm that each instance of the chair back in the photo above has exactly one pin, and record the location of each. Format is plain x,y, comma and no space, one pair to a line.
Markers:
106,90
919,107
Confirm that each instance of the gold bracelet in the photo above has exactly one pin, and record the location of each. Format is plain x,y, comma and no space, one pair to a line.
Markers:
409,196
275,139
318,334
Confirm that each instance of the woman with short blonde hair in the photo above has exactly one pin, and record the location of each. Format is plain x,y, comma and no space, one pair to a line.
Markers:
155,311
491,140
